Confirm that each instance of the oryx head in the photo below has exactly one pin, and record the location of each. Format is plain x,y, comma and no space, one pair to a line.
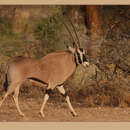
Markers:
79,53
80,56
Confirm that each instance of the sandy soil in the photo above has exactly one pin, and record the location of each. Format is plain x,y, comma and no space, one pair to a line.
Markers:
60,112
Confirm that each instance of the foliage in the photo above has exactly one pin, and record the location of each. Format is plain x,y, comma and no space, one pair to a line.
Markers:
113,52
116,26
48,31
6,29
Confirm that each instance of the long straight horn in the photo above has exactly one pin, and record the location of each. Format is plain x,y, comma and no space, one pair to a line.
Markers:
73,27
68,31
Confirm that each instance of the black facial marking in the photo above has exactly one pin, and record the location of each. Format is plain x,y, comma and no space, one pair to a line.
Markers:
75,60
84,58
79,58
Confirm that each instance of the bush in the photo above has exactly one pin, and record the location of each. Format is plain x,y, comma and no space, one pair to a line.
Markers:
6,29
50,32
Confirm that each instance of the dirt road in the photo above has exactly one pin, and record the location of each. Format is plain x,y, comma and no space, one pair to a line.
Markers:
60,112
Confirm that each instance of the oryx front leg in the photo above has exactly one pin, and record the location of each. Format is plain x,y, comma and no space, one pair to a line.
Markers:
62,91
46,97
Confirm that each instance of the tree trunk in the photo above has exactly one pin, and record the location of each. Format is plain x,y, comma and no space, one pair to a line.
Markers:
19,20
94,30
93,21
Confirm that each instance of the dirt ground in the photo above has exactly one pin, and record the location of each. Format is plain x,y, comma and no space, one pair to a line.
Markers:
60,112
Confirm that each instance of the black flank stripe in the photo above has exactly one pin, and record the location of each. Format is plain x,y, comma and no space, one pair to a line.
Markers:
38,80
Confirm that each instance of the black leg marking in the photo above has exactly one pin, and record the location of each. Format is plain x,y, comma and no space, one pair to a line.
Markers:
48,91
64,95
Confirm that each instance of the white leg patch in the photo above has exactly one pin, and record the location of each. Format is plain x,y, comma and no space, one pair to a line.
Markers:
46,97
15,96
70,106
62,91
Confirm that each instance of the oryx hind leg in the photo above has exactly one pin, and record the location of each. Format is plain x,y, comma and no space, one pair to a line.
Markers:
3,99
15,97
62,91
9,91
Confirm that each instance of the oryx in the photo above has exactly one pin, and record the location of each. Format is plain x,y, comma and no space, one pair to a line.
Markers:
52,70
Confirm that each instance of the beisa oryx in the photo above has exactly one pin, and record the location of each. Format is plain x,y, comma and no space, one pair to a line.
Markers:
52,70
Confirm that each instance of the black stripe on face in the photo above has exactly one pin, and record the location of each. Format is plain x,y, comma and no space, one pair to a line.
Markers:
79,58
75,60
84,58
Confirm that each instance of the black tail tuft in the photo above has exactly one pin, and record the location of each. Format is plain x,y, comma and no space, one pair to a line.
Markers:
6,83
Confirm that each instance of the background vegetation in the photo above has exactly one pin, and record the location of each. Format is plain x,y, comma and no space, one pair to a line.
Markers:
34,31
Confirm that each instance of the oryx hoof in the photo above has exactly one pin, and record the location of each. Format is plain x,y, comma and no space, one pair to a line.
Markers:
74,114
42,114
21,114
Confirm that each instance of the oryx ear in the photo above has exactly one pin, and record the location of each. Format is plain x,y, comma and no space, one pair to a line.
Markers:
71,49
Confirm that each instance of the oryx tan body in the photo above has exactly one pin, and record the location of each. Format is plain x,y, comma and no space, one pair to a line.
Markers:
53,69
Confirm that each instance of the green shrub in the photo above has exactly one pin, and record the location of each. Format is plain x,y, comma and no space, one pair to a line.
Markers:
49,32
6,29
